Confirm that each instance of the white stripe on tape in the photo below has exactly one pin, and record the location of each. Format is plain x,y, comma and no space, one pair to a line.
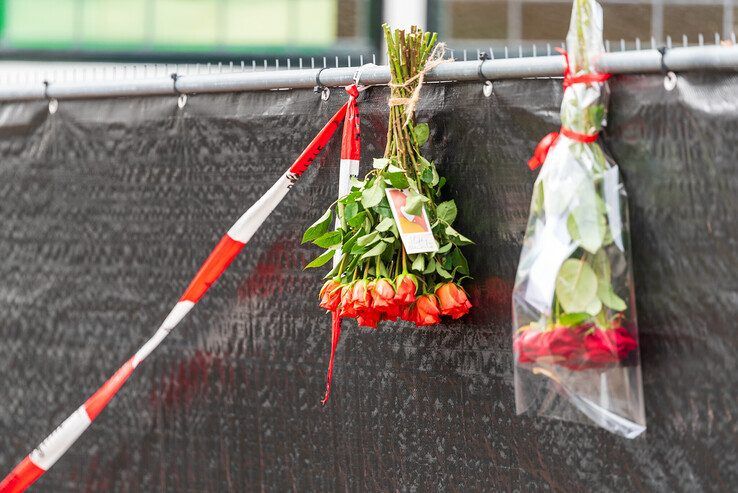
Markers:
348,168
175,316
250,221
46,454
179,311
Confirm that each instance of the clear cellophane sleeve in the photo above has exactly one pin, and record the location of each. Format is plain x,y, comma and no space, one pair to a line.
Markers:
575,333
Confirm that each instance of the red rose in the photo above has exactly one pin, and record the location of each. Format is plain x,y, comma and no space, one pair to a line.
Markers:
526,345
406,289
599,349
563,343
383,294
368,318
623,341
425,311
354,298
330,295
453,300
606,346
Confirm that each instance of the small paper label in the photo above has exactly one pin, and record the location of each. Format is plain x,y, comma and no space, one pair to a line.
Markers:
415,231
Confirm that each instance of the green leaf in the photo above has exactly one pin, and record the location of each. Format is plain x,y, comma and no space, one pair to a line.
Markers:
443,272
573,319
321,260
538,200
430,266
318,227
459,261
380,163
329,239
385,224
414,204
368,239
350,197
445,248
376,250
447,211
397,180
608,297
419,263
421,131
594,307
357,220
349,244
457,238
601,267
576,286
350,210
383,209
590,224
373,195
426,174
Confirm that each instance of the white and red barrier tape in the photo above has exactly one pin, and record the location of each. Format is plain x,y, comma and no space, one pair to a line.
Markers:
58,442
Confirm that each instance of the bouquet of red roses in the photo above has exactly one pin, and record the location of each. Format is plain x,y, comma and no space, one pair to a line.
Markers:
574,323
399,256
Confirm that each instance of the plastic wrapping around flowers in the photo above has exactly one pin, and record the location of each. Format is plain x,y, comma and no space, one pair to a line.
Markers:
396,254
575,334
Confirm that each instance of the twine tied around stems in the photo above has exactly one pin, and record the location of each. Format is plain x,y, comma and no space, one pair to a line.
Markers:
434,59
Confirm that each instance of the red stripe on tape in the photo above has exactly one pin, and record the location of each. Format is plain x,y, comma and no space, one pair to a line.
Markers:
351,140
218,261
318,143
24,475
95,404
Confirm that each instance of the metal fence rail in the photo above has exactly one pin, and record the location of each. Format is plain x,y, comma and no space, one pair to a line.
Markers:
683,59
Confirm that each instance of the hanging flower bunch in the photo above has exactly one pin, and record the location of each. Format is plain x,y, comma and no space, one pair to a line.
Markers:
377,277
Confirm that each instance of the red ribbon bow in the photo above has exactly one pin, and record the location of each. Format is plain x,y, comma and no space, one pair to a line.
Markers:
546,143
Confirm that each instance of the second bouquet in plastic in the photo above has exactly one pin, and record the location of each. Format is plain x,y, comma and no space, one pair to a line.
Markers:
575,335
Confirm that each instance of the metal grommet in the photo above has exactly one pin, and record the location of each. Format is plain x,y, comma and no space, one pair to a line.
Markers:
325,94
487,89
181,101
670,81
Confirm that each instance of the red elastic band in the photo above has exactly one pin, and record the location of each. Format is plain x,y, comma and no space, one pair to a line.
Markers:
583,138
569,78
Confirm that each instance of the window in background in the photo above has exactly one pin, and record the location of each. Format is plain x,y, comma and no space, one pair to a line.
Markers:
473,24
264,26
692,20
545,21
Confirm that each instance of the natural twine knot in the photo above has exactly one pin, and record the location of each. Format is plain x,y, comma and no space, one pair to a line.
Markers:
435,59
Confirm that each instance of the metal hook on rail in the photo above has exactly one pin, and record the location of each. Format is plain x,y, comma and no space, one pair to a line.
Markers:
487,89
325,92
53,103
182,97
670,78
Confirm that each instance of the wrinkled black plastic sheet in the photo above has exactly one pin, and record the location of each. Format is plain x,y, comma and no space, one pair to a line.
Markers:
109,206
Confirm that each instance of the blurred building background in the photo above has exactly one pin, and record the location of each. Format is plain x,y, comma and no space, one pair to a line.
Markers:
247,30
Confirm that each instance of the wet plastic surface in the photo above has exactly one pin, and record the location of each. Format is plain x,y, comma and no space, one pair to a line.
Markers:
109,206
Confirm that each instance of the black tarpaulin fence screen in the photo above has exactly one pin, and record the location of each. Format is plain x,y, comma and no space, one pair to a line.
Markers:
110,205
